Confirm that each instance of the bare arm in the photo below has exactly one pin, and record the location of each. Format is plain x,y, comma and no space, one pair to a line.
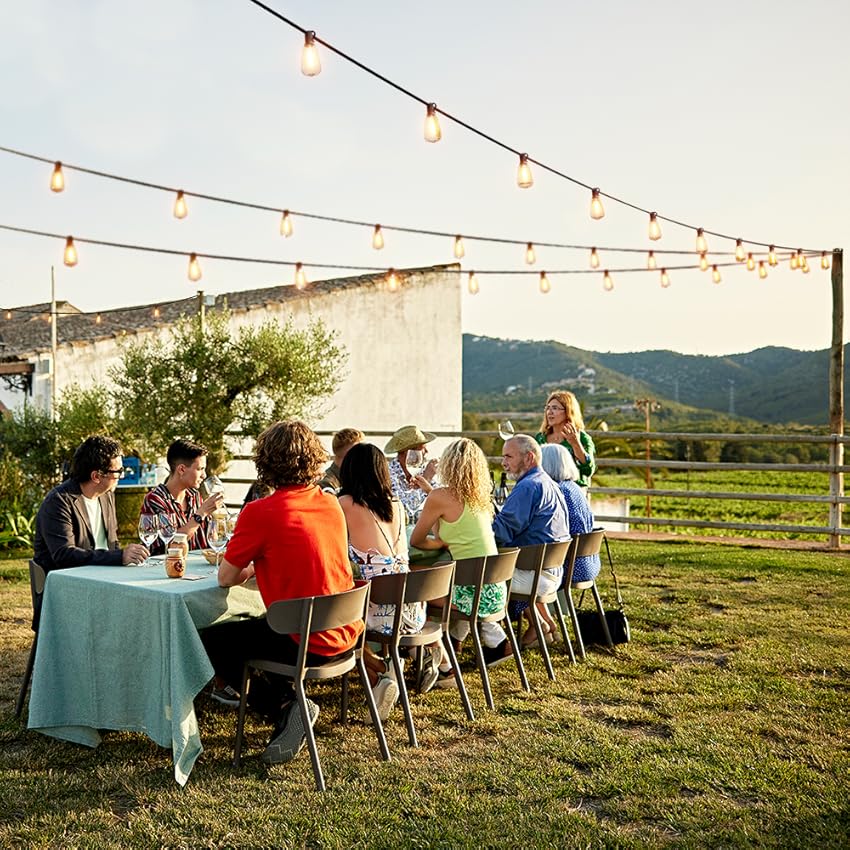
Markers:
432,510
229,575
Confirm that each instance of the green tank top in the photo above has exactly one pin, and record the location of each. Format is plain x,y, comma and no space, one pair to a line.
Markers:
470,535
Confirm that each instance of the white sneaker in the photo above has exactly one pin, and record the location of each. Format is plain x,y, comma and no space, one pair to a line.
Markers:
430,668
385,692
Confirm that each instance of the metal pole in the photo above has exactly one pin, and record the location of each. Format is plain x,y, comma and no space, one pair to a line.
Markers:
202,311
836,396
54,317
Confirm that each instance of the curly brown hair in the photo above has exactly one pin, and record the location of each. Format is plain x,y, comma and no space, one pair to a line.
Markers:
288,453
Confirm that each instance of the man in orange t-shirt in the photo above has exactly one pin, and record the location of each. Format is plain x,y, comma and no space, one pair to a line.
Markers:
294,541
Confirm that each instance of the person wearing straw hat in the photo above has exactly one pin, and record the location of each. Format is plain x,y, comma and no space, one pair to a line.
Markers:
409,487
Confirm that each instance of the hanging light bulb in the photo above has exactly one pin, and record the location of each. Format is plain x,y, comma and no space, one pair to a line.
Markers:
70,258
715,274
545,286
377,238
594,258
432,124
392,281
654,227
180,208
156,312
57,179
824,260
665,278
597,211
523,175
651,264
740,256
460,251
194,267
530,256
762,270
98,319
751,263
805,265
473,284
8,314
300,277
607,283
771,255
703,261
702,245
310,62
794,262
286,224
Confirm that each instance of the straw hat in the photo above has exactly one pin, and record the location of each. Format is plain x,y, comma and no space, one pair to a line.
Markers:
407,437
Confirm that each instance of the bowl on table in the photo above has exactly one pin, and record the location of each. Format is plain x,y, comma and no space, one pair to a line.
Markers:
210,555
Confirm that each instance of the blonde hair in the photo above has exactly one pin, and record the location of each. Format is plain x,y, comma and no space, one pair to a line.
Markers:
570,403
464,470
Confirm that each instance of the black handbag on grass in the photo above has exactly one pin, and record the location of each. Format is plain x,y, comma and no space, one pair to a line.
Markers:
618,623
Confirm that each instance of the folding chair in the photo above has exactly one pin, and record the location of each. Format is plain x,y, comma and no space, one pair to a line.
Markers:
303,617
37,579
581,546
422,585
543,556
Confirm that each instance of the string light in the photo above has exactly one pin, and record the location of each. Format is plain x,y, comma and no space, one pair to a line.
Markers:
594,258
530,256
702,245
97,319
156,312
57,179
751,263
377,238
523,175
300,277
472,284
392,281
794,262
703,262
651,263
8,314
805,265
70,257
824,260
311,65
180,208
762,270
545,286
740,256
194,268
286,224
459,249
715,274
432,124
665,278
607,283
597,211
654,227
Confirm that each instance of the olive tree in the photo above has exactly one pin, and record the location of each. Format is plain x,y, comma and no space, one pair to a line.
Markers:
206,379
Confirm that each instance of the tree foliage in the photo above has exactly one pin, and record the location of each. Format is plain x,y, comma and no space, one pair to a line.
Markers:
203,381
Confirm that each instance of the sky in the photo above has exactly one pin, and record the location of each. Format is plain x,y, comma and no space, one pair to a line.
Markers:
731,116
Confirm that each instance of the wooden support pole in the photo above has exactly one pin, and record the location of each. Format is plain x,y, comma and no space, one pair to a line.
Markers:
836,394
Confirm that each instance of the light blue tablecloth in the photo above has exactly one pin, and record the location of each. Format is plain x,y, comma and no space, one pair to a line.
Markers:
118,648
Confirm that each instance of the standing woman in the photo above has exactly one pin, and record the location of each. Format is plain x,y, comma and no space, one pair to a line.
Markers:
461,515
563,423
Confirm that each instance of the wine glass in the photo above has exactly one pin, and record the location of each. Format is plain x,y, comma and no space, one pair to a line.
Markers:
414,461
167,529
218,535
211,485
148,529
506,429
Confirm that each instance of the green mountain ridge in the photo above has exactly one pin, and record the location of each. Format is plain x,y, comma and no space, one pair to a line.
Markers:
769,385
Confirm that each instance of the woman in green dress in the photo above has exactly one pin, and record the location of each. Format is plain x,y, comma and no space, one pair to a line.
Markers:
563,423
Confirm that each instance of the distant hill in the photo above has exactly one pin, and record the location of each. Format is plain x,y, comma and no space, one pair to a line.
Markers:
769,385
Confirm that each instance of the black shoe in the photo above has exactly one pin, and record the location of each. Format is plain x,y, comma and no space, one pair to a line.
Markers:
496,655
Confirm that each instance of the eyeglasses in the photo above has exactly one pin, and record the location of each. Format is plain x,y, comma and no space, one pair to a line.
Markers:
554,407
118,473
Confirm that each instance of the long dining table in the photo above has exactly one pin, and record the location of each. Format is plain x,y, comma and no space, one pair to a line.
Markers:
118,649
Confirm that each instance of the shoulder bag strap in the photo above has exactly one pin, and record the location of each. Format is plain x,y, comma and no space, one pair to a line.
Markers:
620,604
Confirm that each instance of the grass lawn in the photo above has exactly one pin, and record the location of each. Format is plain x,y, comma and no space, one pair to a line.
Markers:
723,724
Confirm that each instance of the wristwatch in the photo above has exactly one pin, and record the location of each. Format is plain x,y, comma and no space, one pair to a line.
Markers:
198,519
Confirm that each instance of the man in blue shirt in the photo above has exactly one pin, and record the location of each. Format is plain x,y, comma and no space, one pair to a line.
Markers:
535,512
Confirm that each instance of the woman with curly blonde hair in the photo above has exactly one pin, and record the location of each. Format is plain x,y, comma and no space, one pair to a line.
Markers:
563,424
460,514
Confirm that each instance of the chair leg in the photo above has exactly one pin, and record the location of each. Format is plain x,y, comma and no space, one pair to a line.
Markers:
461,685
541,639
482,664
515,646
403,695
559,613
571,607
343,700
240,720
19,705
602,619
309,734
373,709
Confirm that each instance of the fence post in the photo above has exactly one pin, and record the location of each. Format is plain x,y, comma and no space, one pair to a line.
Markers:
836,396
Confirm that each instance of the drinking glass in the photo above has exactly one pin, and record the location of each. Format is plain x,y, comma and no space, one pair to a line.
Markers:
211,485
148,529
415,460
217,536
506,429
167,529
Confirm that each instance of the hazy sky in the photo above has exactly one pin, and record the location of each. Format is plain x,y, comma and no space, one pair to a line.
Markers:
727,115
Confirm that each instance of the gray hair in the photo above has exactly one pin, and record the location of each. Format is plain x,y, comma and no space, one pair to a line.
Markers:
558,463
527,445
